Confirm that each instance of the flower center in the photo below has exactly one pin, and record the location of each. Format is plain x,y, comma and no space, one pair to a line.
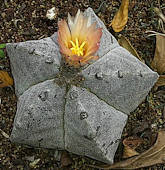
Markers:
77,48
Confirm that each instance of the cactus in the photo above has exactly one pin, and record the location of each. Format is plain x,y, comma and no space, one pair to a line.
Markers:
81,110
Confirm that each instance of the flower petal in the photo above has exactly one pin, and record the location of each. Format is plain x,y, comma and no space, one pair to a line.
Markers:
75,31
63,49
77,16
70,21
94,37
64,32
93,41
79,40
64,37
92,50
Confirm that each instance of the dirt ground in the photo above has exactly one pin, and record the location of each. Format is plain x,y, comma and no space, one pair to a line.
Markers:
22,20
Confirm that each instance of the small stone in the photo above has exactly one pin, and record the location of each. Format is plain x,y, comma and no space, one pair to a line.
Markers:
154,125
52,13
3,14
2,67
161,121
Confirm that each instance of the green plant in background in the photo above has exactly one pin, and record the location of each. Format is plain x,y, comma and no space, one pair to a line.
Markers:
2,54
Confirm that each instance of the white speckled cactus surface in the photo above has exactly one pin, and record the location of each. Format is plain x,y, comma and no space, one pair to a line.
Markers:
83,112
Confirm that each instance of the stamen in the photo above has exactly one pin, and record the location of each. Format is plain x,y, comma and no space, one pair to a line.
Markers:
83,44
73,44
77,44
77,48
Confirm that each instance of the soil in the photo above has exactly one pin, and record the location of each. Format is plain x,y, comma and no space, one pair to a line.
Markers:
22,20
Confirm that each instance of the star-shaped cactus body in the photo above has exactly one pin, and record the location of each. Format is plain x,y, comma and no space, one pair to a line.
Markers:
83,112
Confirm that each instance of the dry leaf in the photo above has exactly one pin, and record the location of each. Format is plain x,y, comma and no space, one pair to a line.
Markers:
130,144
129,152
161,81
132,141
153,33
125,43
154,155
159,13
4,134
34,163
65,159
121,17
158,63
5,79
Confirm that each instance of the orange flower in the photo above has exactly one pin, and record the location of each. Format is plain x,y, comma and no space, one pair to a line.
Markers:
78,40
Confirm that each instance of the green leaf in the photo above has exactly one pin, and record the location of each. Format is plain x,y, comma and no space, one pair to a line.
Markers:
2,46
2,54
